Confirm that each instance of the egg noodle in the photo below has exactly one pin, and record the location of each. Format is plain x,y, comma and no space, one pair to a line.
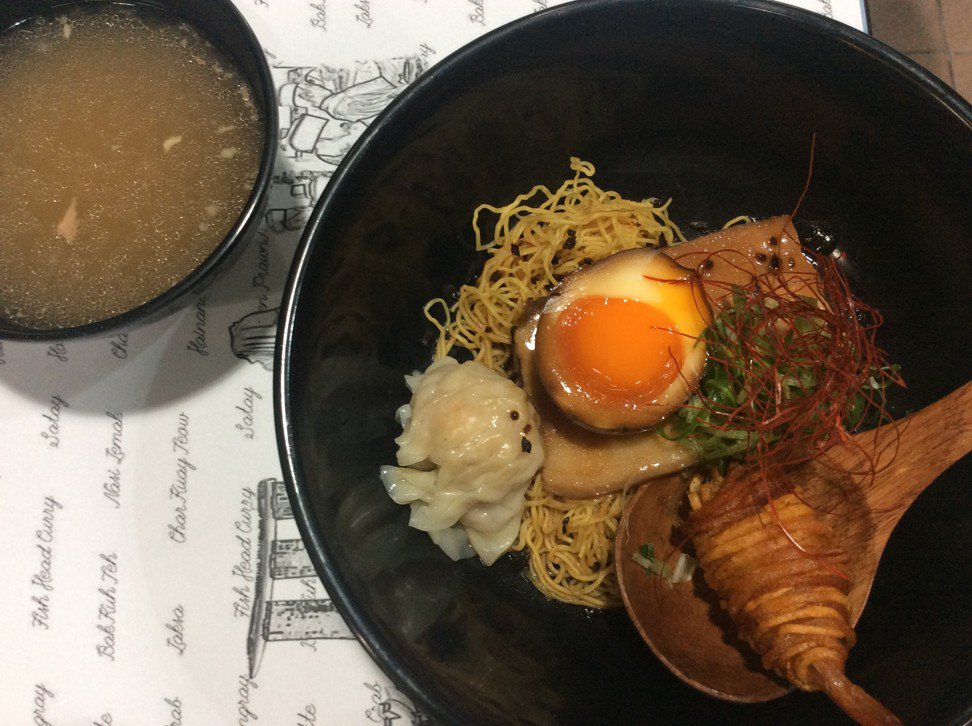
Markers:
536,240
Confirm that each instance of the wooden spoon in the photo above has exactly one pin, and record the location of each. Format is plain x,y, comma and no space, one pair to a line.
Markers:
685,625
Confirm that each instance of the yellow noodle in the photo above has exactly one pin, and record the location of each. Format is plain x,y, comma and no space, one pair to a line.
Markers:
533,243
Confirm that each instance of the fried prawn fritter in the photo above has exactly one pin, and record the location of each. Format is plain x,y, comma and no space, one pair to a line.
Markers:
781,576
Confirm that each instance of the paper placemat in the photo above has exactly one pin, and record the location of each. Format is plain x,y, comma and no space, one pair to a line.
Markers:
153,573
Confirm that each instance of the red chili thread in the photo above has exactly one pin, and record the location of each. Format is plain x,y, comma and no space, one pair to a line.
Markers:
842,354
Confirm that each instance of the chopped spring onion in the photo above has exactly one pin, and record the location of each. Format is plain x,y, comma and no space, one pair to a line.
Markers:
684,566
766,367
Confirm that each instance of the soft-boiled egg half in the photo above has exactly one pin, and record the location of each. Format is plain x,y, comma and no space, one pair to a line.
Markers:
618,343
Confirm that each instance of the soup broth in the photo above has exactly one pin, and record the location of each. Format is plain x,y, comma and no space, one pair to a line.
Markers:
129,147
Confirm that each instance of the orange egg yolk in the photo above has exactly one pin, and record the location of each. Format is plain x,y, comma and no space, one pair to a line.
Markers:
618,349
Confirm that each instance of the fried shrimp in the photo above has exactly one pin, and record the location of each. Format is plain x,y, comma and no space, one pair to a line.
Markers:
781,576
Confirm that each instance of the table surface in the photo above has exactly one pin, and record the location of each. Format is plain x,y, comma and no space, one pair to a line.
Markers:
153,571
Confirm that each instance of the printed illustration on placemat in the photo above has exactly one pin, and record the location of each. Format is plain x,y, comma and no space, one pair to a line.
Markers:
323,111
309,617
391,708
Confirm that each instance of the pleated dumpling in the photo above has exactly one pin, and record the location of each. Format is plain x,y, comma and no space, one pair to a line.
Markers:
469,449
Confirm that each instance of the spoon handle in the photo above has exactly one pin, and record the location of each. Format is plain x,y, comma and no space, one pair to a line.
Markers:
916,449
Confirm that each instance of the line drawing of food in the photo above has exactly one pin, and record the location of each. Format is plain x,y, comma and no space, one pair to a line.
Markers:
305,619
282,559
323,111
252,337
292,197
391,708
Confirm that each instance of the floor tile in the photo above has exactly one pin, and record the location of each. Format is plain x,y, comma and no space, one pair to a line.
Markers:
908,25
962,67
938,63
957,17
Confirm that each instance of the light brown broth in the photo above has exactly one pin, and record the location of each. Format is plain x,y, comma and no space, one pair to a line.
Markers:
129,147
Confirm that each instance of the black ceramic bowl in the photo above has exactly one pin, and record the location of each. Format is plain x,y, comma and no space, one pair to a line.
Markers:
221,23
712,103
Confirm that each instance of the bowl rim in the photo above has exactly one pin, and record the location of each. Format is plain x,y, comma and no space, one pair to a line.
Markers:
246,222
376,642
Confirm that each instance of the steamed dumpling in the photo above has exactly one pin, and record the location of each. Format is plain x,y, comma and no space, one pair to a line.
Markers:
469,450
